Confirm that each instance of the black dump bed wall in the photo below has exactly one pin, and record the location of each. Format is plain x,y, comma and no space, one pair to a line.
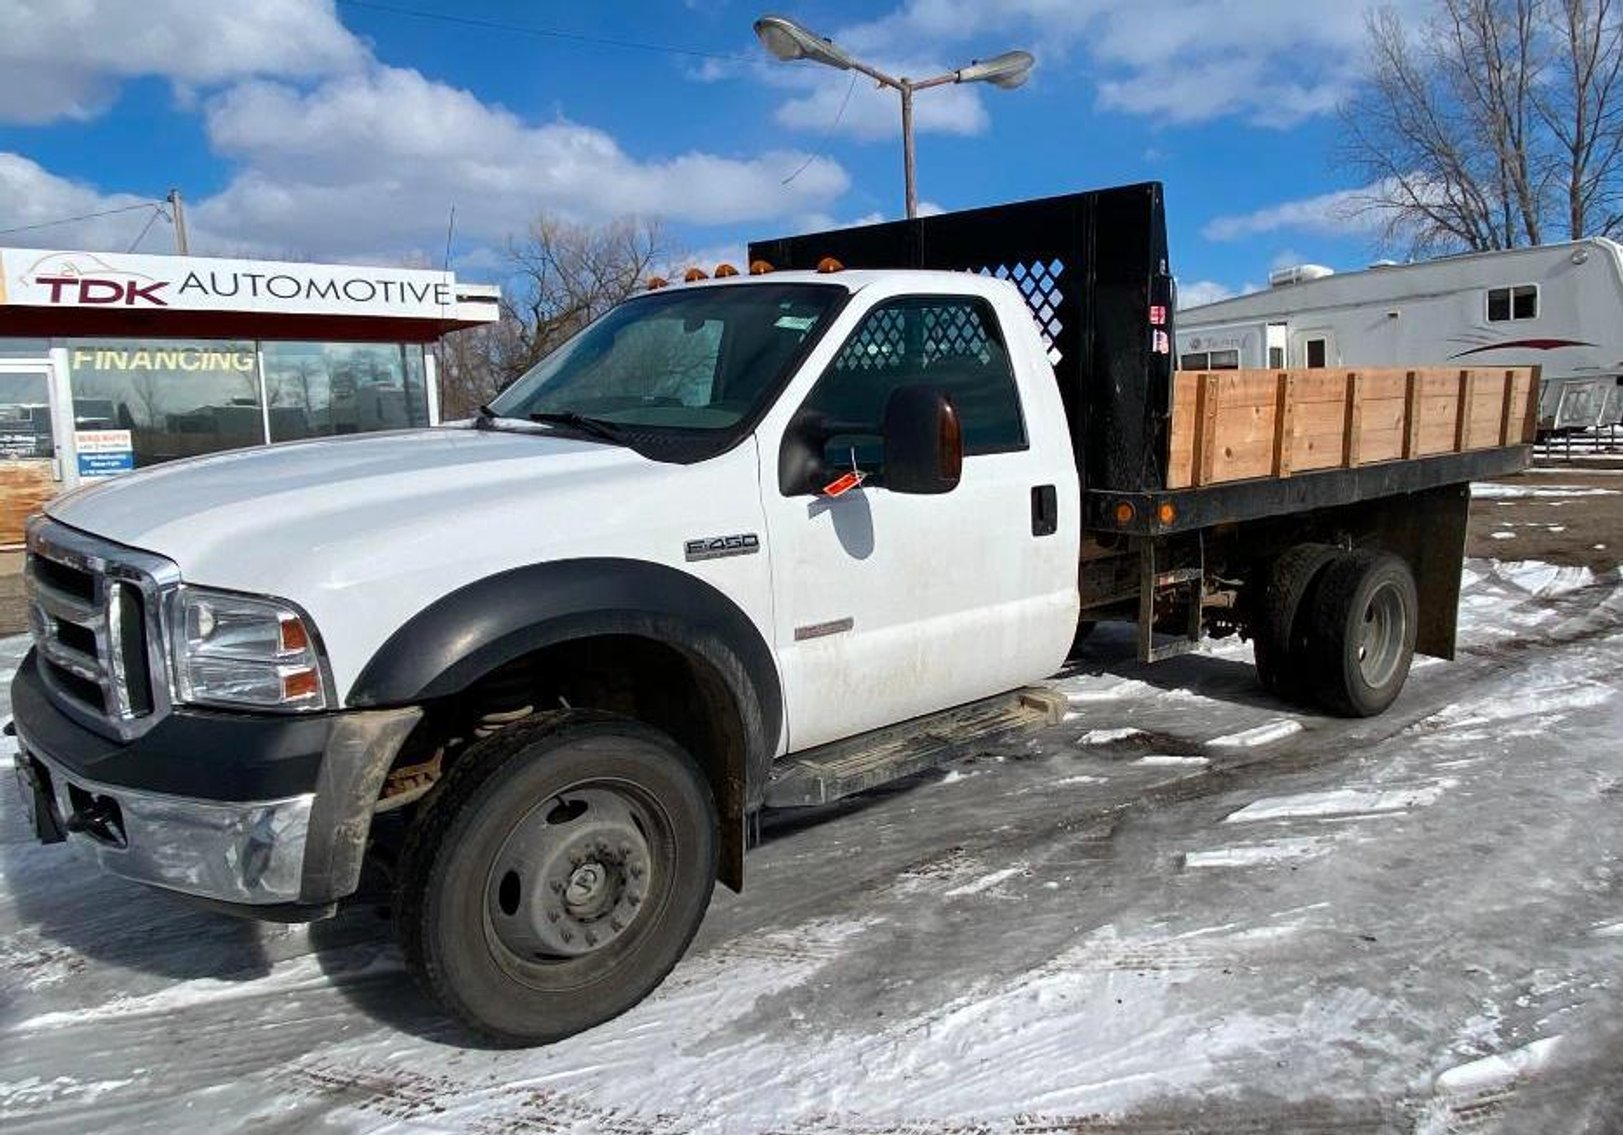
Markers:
1093,268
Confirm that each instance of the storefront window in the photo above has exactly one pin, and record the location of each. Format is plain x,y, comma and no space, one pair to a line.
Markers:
25,413
178,398
318,389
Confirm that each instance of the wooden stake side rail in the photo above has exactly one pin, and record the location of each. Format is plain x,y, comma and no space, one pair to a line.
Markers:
1235,425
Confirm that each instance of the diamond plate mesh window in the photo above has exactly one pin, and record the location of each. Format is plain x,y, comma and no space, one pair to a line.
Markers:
950,342
1039,283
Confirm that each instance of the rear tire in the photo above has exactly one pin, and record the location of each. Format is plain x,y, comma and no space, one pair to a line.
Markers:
1364,619
556,875
1280,633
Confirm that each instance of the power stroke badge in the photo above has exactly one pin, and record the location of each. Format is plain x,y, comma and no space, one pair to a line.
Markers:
717,547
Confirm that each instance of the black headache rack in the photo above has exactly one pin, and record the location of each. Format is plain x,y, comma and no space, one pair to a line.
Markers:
1093,268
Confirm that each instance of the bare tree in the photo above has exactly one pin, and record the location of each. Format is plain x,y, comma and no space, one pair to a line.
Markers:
1582,108
1480,129
563,276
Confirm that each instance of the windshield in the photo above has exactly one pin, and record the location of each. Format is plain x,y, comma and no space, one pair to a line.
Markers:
695,359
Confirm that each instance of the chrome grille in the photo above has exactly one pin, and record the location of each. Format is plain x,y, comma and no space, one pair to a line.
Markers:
95,615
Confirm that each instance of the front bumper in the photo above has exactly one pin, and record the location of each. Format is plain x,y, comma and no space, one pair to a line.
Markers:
242,853
273,853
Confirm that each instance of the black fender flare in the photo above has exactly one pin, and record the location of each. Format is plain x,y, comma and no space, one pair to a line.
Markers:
471,631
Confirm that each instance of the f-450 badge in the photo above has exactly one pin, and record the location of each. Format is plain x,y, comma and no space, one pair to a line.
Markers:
716,547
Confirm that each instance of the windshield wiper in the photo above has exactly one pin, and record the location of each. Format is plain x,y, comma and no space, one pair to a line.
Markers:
596,427
485,419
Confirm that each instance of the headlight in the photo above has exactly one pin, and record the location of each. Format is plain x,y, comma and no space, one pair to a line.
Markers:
243,651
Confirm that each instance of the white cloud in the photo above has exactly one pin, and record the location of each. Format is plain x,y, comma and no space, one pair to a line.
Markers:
382,155
1270,62
366,163
32,196
874,113
1344,212
67,58
1200,292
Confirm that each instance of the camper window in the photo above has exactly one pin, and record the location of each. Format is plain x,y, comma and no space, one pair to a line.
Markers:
1506,304
1210,360
1316,352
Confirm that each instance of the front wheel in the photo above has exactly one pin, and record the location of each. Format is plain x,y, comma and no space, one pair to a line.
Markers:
557,875
1364,619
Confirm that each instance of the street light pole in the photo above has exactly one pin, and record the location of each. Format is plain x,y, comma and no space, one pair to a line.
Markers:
909,168
789,41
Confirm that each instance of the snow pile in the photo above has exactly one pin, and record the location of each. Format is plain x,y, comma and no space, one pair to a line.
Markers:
1483,490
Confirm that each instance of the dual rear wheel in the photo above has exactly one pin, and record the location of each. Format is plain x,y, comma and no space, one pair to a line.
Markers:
1337,628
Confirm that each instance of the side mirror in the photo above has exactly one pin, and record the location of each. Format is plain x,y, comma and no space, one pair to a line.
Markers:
924,441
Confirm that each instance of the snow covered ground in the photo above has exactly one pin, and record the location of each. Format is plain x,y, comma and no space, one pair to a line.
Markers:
1187,907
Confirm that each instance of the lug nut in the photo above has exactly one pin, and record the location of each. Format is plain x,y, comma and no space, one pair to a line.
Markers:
552,916
633,898
557,887
591,939
616,924
567,936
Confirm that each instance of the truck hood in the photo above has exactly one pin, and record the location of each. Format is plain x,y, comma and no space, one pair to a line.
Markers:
303,497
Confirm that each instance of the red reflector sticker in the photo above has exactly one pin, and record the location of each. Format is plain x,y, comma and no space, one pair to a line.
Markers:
1158,315
842,485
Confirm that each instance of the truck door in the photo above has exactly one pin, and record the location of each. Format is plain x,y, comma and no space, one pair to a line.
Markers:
888,605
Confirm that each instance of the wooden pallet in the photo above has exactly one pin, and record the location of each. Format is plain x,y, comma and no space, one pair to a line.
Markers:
1235,425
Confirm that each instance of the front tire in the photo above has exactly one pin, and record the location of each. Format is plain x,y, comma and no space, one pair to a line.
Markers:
557,874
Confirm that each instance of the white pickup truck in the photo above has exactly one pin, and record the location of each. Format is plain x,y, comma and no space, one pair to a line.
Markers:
759,541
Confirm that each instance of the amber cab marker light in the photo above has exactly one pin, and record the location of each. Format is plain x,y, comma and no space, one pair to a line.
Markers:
725,270
1166,512
829,264
1124,514
760,267
657,282
694,275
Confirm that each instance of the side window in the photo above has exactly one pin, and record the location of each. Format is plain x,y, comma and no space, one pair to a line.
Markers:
1316,353
1210,360
1507,304
948,342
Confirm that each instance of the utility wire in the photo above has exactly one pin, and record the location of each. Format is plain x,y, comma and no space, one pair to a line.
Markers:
80,217
545,33
157,211
829,136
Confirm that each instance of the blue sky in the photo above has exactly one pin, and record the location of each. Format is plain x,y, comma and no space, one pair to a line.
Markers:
348,130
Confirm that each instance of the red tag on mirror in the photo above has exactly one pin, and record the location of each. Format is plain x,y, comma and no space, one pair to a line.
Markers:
844,484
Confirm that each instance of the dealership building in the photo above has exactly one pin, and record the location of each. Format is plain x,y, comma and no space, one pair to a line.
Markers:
115,362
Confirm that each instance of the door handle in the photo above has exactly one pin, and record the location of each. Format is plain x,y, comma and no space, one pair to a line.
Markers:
1044,510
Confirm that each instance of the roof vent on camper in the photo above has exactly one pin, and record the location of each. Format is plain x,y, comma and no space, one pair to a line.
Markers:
1383,264
1299,274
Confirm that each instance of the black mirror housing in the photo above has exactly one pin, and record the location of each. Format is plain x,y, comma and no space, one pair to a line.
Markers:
924,441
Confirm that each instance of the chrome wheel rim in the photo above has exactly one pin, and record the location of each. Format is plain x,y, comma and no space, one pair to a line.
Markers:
1381,634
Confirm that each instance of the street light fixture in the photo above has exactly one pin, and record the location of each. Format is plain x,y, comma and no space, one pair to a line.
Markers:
789,41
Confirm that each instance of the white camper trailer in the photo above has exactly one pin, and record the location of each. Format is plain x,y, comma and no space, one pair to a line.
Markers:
1559,306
